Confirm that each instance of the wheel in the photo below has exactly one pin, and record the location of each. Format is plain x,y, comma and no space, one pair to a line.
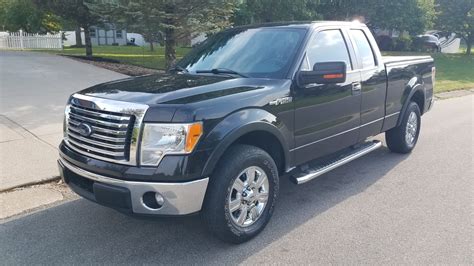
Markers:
403,138
241,194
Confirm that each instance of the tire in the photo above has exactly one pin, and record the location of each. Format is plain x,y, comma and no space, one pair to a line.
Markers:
223,189
397,138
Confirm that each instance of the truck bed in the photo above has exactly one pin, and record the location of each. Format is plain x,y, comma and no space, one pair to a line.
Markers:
404,59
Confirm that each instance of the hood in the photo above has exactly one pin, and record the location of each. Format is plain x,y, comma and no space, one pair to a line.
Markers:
171,88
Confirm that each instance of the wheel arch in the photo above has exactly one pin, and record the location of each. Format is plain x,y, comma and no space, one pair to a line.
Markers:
262,133
417,95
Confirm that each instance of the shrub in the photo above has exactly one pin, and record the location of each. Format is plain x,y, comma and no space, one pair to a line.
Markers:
403,44
385,43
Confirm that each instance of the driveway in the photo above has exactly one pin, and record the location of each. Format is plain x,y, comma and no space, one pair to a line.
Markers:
384,208
34,88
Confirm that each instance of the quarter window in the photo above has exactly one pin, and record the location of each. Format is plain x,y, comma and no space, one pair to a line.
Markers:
364,50
327,46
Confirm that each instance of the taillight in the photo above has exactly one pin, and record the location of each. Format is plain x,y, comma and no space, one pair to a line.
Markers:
433,76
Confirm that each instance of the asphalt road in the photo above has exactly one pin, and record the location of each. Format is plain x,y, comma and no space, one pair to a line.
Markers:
34,88
383,208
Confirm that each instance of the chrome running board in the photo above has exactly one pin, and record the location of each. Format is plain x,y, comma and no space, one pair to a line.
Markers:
325,167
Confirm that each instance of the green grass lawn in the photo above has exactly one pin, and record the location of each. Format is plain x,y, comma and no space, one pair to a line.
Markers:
134,55
453,71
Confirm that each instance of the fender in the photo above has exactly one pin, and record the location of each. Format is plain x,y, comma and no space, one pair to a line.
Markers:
238,124
412,88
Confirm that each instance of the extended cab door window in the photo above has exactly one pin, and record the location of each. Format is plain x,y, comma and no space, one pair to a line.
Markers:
327,46
373,84
363,48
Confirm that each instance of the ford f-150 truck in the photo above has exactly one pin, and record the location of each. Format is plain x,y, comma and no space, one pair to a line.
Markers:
247,106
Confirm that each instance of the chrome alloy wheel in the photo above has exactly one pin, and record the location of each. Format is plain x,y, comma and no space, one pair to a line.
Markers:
411,129
248,196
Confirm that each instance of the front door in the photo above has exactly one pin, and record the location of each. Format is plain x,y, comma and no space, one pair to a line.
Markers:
327,116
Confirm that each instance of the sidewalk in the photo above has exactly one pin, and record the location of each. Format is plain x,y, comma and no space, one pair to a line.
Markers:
25,159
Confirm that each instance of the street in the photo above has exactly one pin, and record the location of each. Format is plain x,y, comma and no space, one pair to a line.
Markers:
384,208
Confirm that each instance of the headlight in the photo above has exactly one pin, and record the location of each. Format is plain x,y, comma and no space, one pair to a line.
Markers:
65,119
161,139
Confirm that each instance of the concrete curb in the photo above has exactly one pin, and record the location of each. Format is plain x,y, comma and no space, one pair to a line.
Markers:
23,201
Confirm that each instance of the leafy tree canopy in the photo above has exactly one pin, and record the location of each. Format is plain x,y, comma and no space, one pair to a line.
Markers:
24,15
411,15
457,16
167,20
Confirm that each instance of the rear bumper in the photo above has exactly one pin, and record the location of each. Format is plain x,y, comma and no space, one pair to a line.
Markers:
127,196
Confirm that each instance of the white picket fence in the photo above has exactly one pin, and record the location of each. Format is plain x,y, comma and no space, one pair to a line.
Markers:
22,40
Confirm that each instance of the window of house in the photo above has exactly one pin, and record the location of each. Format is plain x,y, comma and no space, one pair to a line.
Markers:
118,34
364,50
92,33
327,46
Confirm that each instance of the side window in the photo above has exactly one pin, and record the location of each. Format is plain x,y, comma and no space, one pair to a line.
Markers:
364,50
327,46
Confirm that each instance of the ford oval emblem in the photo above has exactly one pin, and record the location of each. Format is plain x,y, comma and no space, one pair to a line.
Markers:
84,129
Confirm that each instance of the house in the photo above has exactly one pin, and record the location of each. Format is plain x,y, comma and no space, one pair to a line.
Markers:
108,36
99,36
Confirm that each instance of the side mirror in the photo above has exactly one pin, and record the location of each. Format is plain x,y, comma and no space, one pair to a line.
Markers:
323,73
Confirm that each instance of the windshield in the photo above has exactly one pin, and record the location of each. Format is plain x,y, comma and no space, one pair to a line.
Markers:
258,53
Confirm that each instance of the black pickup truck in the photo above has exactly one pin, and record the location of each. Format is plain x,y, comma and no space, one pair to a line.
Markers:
246,107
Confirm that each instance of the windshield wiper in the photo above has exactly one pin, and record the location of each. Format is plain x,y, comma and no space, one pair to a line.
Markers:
222,71
179,69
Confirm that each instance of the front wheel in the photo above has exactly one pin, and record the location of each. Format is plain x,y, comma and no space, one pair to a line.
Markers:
403,138
241,194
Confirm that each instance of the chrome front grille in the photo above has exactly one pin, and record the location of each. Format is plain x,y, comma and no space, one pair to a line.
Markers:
104,129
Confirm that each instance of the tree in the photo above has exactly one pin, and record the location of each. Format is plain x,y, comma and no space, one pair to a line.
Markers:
73,10
140,16
167,20
192,16
23,15
457,16
261,11
414,16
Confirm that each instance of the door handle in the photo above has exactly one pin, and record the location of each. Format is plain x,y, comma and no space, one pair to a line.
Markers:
356,86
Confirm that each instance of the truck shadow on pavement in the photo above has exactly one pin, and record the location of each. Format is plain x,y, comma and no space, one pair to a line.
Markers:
83,232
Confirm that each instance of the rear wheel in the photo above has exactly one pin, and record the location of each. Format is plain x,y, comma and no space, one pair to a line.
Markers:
241,194
403,138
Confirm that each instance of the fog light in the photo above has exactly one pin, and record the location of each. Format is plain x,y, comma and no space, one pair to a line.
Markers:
153,200
159,199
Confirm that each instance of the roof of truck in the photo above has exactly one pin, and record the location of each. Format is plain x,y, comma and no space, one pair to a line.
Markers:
301,24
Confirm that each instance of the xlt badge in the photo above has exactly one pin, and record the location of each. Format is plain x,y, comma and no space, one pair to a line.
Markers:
281,101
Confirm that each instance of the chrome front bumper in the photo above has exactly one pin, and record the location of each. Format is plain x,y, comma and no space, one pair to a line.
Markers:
179,198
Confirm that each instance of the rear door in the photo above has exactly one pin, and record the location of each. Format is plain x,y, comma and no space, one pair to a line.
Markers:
327,116
373,81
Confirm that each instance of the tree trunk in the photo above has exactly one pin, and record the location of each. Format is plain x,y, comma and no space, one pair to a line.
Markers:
150,39
170,48
78,37
170,36
469,46
88,42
